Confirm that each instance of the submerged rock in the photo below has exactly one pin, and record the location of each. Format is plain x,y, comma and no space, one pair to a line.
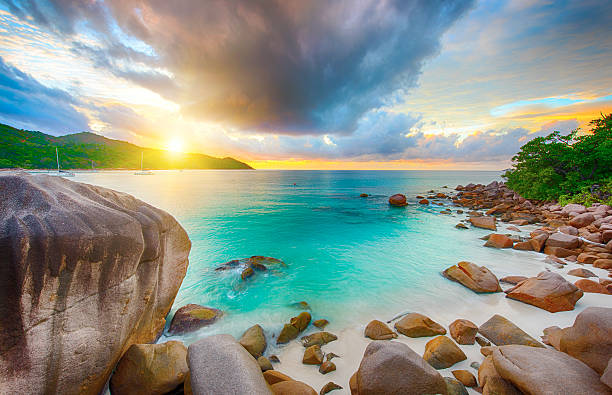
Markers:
85,273
378,330
321,323
548,291
441,353
150,369
418,325
393,368
220,365
477,278
502,331
192,317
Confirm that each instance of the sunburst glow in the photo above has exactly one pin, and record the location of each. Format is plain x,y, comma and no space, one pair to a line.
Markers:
175,145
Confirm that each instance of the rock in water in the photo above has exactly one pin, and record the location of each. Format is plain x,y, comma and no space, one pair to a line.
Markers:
86,272
541,371
418,325
378,330
192,317
254,341
398,200
220,365
441,353
150,369
548,291
477,278
296,325
393,368
502,331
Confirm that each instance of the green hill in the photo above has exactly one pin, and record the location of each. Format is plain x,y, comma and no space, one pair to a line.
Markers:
35,150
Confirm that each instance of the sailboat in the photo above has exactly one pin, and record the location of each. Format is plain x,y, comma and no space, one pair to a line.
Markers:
61,173
143,172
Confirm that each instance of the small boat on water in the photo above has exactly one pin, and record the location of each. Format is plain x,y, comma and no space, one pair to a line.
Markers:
60,172
143,172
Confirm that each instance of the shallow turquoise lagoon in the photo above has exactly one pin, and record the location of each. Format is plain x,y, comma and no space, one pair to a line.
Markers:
348,257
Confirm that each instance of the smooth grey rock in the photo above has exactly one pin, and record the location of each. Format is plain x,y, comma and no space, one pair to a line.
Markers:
220,365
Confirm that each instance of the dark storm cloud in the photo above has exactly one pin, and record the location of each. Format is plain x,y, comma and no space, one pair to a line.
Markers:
286,67
25,103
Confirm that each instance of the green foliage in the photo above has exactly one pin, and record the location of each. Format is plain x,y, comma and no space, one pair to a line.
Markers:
555,166
35,150
588,196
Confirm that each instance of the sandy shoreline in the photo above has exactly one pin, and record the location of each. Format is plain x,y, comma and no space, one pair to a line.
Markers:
351,342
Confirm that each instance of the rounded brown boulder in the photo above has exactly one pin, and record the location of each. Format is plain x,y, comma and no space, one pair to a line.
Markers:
582,220
398,200
378,330
463,331
548,291
441,353
477,278
150,369
465,377
497,240
591,286
390,367
254,341
418,325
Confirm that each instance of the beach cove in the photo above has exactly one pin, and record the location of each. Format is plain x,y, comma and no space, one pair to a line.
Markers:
352,259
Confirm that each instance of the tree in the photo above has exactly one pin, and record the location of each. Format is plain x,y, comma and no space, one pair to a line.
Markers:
548,167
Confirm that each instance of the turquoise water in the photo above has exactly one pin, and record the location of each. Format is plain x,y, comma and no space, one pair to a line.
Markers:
347,256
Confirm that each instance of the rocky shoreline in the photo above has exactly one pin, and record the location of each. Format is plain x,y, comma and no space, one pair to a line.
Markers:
64,238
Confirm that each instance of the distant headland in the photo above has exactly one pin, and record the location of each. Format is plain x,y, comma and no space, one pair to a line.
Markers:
35,150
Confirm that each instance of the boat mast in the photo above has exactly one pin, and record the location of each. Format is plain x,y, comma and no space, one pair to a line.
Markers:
57,158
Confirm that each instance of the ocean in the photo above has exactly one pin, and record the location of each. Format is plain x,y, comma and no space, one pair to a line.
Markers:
348,257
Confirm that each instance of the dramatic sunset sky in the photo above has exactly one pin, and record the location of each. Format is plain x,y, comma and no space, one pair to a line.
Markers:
362,84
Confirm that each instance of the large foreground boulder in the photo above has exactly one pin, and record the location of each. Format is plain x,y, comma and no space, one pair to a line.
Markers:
589,339
220,365
85,273
542,371
477,278
150,369
548,291
390,367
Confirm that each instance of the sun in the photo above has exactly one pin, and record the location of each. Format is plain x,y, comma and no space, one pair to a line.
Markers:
175,145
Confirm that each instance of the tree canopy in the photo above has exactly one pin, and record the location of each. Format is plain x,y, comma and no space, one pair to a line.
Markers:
560,166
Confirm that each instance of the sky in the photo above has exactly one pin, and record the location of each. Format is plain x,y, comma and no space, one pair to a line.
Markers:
360,84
